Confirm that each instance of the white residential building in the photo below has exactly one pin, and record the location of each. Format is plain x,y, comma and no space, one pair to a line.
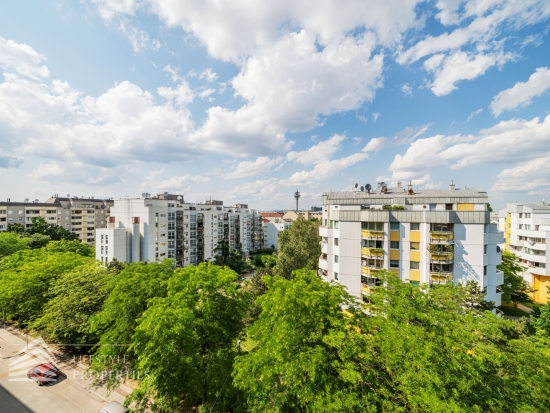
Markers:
425,236
155,228
272,230
526,229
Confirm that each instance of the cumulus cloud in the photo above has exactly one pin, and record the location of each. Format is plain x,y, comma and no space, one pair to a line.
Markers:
154,183
22,59
110,8
448,70
77,173
531,176
9,161
474,114
207,74
478,26
522,93
261,165
407,89
407,135
317,153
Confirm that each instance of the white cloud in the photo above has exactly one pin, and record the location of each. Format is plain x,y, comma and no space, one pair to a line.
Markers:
317,153
22,59
375,116
448,70
407,90
154,183
138,38
474,114
174,75
486,21
522,93
77,173
526,176
405,136
261,165
8,161
322,171
357,141
207,74
109,8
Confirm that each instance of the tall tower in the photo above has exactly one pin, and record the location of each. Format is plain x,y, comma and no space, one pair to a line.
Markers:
296,197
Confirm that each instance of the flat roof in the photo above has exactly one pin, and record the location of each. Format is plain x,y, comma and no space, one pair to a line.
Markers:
393,193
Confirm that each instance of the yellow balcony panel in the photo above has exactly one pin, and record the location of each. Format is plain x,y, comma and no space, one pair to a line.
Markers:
395,236
395,254
441,277
370,233
415,256
465,207
441,236
442,256
372,252
415,236
370,271
365,288
414,275
394,270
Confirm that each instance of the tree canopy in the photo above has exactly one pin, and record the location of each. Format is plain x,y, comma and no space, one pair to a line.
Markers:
299,247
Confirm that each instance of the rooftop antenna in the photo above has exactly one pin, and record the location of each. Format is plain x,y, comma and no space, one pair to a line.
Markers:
296,197
368,187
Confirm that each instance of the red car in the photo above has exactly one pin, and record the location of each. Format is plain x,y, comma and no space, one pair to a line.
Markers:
44,373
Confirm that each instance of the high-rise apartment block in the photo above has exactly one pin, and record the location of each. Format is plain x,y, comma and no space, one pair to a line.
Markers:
425,236
155,228
526,229
79,215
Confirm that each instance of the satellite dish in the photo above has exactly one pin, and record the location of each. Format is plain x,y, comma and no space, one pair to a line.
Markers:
364,263
362,188
166,193
368,187
144,195
320,271
26,199
36,200
355,186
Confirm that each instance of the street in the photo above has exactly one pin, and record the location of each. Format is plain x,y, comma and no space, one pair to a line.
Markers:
69,394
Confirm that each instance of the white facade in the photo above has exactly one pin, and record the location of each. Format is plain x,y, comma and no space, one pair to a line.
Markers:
527,230
435,236
272,230
166,227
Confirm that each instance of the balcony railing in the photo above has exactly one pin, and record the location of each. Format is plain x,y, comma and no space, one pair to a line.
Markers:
372,234
372,272
442,256
373,252
441,277
441,236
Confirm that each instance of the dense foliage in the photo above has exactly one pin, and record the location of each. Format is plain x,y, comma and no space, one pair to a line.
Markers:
41,227
515,289
299,247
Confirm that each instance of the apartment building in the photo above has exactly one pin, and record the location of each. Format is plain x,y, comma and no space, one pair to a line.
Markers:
425,236
79,215
271,230
526,229
155,228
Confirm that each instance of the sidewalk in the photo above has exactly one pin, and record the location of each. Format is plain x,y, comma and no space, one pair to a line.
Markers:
13,346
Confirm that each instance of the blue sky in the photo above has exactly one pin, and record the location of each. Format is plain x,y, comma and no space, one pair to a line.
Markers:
247,101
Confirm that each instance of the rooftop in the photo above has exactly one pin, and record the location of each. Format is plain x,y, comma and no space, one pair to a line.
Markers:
403,193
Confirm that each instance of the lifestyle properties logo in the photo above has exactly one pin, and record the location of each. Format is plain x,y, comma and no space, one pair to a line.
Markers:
37,352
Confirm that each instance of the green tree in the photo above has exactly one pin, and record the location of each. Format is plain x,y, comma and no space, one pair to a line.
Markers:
515,289
26,276
12,242
39,241
542,321
422,351
75,297
294,365
55,232
299,247
16,228
128,294
186,340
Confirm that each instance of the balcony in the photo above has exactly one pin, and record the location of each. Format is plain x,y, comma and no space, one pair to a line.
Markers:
442,257
372,234
369,271
377,253
441,277
441,237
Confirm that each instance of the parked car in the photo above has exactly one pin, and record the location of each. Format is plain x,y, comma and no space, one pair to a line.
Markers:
114,407
44,373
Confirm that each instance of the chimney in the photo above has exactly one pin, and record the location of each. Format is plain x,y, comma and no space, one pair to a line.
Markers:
410,186
452,186
111,222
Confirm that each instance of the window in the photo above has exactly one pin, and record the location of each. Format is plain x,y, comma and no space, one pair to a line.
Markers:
528,215
415,226
484,270
415,246
336,241
528,226
336,224
520,226
415,265
394,264
373,226
394,245
336,276
394,226
521,215
325,222
485,249
106,239
336,258
448,207
102,238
